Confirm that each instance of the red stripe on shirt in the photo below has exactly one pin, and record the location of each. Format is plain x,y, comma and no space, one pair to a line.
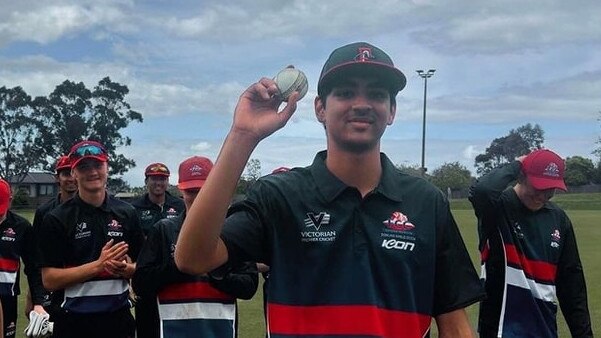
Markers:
484,252
9,265
539,270
367,320
192,290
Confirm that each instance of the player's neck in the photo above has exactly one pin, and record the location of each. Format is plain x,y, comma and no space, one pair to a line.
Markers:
157,199
65,195
95,197
362,171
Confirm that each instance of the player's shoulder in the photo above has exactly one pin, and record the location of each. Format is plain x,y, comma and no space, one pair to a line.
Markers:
412,184
140,202
17,220
557,210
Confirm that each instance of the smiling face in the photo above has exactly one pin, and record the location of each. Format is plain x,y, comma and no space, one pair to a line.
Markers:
91,175
66,181
157,185
355,114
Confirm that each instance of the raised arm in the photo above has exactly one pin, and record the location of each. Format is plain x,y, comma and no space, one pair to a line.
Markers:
485,193
199,248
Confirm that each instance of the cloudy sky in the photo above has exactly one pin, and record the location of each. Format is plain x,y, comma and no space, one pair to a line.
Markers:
499,65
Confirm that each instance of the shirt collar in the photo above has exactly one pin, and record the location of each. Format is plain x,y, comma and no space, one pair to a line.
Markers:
330,186
104,206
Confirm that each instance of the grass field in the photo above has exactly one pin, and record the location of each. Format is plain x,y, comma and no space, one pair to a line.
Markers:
584,211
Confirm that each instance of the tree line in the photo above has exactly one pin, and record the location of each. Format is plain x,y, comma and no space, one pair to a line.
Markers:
520,141
34,132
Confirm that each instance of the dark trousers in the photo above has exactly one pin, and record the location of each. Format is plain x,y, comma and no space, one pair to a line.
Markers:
147,317
9,307
118,324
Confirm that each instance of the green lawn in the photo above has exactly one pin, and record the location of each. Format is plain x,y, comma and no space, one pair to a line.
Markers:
584,211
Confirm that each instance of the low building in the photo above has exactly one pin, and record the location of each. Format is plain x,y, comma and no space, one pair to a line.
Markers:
33,190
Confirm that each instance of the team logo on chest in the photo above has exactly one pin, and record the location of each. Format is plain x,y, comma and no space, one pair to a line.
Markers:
398,233
313,224
171,213
9,235
399,222
115,229
145,215
555,238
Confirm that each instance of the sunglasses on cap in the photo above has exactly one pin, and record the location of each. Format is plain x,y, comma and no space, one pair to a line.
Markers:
158,168
88,150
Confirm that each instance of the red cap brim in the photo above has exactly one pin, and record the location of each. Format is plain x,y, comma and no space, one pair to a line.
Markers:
541,183
191,184
157,174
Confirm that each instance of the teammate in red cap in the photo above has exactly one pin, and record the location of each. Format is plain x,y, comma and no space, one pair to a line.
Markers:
16,244
188,305
88,247
528,249
156,204
67,187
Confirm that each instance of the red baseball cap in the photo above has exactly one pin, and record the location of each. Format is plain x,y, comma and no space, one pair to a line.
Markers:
280,170
193,172
544,170
87,149
4,196
62,162
157,169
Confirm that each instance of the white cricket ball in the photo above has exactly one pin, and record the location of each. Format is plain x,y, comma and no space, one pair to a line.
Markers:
290,80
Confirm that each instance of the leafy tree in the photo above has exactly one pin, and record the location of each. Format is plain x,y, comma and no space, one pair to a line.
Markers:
451,175
72,112
253,170
533,135
19,149
413,170
579,171
251,174
115,185
597,151
505,149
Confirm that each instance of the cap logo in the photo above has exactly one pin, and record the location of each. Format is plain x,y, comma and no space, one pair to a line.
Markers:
365,54
552,170
195,170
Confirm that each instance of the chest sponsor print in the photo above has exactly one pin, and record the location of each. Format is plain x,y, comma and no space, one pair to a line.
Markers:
146,215
9,235
115,229
171,213
398,233
82,231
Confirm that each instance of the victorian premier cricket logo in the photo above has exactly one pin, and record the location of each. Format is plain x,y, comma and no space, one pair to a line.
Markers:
313,228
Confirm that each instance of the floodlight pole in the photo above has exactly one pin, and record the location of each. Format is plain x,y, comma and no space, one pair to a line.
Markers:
425,76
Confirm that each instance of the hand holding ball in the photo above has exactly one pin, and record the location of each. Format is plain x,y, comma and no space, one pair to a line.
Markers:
291,80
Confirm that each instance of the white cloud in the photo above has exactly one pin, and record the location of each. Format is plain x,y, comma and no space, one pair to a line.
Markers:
470,152
47,22
201,147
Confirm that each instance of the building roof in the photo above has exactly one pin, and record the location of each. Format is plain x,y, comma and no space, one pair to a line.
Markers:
35,178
